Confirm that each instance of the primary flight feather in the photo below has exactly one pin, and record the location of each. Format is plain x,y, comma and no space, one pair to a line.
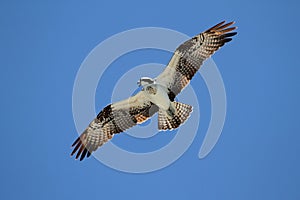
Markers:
157,95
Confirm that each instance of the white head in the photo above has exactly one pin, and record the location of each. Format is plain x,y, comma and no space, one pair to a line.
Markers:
145,81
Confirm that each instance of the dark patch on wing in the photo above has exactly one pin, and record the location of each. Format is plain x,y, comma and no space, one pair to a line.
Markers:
110,122
186,68
194,52
171,94
141,114
105,115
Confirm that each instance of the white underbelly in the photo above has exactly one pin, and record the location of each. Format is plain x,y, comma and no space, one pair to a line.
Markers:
161,98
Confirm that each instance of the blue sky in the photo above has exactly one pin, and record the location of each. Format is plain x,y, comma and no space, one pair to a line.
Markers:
42,47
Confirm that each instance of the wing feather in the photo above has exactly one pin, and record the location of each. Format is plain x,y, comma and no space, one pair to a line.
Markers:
186,61
190,55
114,118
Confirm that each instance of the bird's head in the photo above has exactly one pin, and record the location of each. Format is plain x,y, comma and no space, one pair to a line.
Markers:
145,81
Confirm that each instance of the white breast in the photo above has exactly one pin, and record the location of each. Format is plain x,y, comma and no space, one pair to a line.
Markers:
160,98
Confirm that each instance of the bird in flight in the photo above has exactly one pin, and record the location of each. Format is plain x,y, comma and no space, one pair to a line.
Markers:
157,95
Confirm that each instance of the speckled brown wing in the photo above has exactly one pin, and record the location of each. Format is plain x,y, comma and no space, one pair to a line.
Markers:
114,118
190,55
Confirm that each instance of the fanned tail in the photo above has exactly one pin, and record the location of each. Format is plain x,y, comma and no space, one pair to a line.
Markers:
174,117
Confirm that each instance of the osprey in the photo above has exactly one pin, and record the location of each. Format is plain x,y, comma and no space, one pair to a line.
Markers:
157,95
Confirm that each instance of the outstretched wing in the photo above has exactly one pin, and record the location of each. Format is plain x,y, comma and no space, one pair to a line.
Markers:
114,118
190,55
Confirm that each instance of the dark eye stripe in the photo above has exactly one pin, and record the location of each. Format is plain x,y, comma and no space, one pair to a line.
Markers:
147,81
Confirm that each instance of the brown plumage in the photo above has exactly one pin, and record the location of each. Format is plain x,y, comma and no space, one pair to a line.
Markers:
114,118
190,55
186,61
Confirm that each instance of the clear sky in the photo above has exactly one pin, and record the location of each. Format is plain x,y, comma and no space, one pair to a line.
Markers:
42,47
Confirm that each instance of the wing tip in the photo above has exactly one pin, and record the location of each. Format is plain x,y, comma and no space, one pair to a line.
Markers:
216,26
222,27
81,150
75,142
224,31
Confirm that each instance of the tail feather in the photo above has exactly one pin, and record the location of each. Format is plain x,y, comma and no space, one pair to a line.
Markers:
169,121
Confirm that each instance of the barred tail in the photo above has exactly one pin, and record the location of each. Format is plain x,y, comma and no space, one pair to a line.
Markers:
176,115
